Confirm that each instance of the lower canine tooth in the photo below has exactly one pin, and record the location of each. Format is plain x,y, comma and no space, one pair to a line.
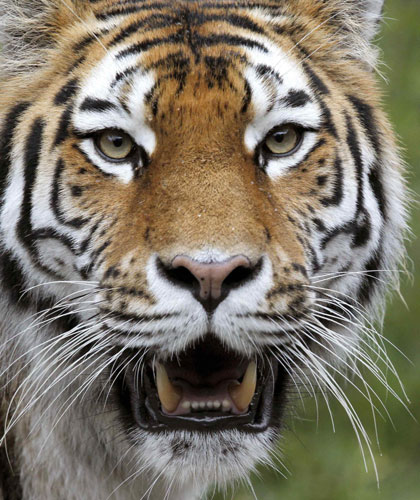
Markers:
169,395
242,394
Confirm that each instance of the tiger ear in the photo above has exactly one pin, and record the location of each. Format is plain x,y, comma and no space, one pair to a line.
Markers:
370,13
29,30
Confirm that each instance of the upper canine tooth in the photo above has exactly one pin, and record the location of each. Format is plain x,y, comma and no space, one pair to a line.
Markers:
242,394
169,395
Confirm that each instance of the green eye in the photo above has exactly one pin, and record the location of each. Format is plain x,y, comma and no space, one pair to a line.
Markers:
283,141
114,144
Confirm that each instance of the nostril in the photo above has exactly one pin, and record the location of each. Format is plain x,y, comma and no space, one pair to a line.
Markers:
238,276
179,276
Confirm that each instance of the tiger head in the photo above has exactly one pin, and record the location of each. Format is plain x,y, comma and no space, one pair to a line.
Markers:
212,194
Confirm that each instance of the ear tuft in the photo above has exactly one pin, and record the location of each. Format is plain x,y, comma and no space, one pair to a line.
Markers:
359,22
370,12
28,32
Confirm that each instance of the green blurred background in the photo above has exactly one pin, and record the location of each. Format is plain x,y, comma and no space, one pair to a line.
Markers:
324,465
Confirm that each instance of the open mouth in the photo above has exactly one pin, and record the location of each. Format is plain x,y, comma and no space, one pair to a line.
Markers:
206,388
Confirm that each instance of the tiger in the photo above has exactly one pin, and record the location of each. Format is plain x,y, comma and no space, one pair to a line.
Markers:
203,207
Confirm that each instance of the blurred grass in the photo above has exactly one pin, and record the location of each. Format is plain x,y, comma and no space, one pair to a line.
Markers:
324,465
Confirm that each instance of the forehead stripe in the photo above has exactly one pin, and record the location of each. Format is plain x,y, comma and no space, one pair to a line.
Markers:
156,21
196,43
120,11
66,92
296,98
91,104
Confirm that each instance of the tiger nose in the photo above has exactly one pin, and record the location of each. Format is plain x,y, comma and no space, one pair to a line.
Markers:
210,282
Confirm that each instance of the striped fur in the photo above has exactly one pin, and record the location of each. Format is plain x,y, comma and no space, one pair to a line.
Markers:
198,85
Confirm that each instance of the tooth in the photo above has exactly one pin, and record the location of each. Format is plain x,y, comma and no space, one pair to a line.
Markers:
226,404
202,404
210,404
216,404
186,405
169,395
195,405
242,394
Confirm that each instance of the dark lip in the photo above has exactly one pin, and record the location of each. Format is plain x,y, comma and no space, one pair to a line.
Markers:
142,405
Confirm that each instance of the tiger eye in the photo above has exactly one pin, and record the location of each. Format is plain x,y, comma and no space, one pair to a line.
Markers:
114,144
283,141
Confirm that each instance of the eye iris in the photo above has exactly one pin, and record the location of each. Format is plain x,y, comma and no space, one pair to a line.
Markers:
115,145
283,141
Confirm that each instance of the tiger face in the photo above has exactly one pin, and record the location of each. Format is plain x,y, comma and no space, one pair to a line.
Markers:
210,191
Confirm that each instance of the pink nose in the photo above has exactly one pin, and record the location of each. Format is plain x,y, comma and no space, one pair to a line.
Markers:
211,282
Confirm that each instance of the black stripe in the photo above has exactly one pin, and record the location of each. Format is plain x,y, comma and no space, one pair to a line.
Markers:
94,258
83,43
354,147
86,242
359,228
50,233
55,200
76,147
63,127
222,4
133,317
267,71
154,21
103,16
92,104
365,114
296,98
171,61
218,67
74,65
10,123
66,92
124,74
13,280
131,9
32,155
139,47
195,41
370,281
226,39
318,145
315,80
246,101
362,229
375,182
337,195
327,121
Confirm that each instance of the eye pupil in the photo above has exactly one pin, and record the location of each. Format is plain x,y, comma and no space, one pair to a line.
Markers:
283,141
117,141
279,136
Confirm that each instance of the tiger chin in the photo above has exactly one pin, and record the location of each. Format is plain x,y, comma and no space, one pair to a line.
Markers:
202,206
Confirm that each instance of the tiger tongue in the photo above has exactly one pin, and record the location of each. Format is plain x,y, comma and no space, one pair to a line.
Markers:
182,398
